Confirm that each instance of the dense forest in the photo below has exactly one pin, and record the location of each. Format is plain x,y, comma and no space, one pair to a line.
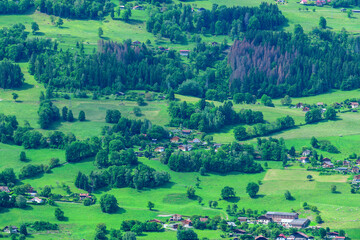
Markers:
15,7
220,20
298,64
10,75
75,9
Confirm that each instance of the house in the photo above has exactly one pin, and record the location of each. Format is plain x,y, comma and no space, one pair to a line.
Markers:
354,104
196,140
136,42
204,219
356,179
35,200
214,44
11,229
346,163
332,234
185,148
186,223
231,224
356,11
343,10
186,132
342,169
340,238
242,219
304,2
299,223
159,149
264,219
328,165
358,161
239,231
84,195
161,48
320,103
298,236
156,220
281,216
306,109
176,217
217,145
201,9
138,8
175,139
119,94
281,237
261,237
304,159
299,105
355,170
4,189
184,52
306,153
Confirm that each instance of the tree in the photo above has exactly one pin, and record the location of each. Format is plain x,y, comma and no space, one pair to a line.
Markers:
82,116
240,133
23,156
286,101
70,116
333,188
59,214
288,195
309,177
108,203
150,205
322,22
126,15
15,96
186,234
137,228
322,233
137,111
227,192
100,32
318,219
129,236
23,229
292,151
59,22
215,204
252,189
330,113
64,113
34,27
20,201
314,142
100,232
190,192
46,192
140,101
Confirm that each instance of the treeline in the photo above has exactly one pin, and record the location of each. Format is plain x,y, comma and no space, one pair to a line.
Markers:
15,45
10,75
220,20
237,158
263,129
115,66
139,177
128,225
15,7
206,117
272,149
345,3
294,64
76,9
7,177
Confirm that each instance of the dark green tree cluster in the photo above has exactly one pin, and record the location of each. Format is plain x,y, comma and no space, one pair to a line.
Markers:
48,113
11,75
73,9
8,124
272,149
128,225
15,7
108,203
239,159
112,116
79,150
7,177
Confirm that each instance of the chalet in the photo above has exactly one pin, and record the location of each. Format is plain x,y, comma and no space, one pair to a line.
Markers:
239,231
119,94
11,229
304,2
356,179
185,147
299,105
186,132
122,7
332,234
355,170
84,195
204,219
306,153
186,223
217,145
346,163
231,224
175,139
281,237
281,216
159,149
328,165
298,236
358,161
201,9
264,220
155,220
261,237
299,223
304,159
139,154
4,189
214,44
36,200
320,104
354,104
175,226
196,140
356,11
306,109
340,238
242,219
136,42
176,217
184,52
343,10
138,8
342,169
161,48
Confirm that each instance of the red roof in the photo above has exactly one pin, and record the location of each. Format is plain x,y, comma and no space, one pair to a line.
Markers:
282,235
357,177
